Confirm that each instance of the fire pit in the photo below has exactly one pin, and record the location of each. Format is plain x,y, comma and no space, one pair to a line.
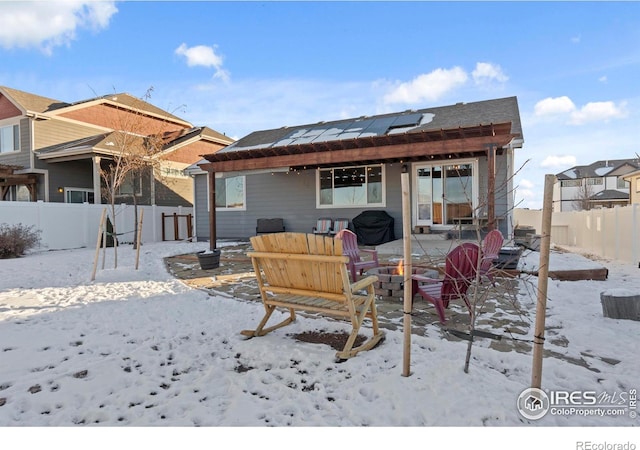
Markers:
390,284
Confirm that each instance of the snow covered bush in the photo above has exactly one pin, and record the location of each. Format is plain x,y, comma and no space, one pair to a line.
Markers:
17,239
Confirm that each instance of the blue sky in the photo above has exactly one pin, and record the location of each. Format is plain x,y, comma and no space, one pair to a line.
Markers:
239,67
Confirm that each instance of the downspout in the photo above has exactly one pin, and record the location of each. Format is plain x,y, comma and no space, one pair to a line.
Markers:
97,194
212,210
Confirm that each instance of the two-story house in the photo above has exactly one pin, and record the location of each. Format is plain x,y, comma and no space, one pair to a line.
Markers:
54,151
601,184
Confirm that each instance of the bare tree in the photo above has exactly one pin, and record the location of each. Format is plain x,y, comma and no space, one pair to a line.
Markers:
135,145
582,199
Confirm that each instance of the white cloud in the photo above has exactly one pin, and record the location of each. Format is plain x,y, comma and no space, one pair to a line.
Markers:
603,79
591,112
552,106
201,55
429,86
576,39
563,161
598,111
527,184
46,25
487,72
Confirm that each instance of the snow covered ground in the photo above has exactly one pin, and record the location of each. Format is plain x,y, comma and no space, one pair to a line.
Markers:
139,348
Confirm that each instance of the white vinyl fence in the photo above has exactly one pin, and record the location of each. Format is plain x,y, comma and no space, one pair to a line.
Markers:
74,225
612,233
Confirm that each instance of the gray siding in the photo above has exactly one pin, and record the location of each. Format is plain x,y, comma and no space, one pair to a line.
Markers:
293,198
75,174
200,208
20,158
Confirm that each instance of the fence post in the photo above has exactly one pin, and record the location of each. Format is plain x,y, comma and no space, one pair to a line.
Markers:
175,227
617,233
154,221
635,234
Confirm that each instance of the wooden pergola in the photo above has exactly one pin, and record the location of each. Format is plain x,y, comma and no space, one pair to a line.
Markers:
428,145
9,178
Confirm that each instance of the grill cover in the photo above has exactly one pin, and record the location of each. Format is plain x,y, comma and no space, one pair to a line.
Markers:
373,227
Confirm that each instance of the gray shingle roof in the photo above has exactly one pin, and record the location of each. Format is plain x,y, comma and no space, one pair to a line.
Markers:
609,194
596,169
460,115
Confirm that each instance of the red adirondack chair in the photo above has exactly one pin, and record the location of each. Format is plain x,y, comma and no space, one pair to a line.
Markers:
460,270
491,246
350,248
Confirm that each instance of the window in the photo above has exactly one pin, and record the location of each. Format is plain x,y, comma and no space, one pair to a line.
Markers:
230,193
19,193
622,183
571,183
78,195
9,139
351,186
131,184
594,181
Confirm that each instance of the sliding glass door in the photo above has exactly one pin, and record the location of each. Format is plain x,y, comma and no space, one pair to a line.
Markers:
444,193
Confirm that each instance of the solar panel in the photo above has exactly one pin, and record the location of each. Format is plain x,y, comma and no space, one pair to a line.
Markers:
355,128
407,120
380,126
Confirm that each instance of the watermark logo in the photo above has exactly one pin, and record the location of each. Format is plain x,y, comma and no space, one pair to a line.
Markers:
534,404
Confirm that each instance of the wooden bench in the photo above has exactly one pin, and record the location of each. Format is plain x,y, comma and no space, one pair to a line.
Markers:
299,271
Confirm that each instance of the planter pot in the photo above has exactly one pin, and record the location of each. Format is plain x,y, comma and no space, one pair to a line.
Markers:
209,259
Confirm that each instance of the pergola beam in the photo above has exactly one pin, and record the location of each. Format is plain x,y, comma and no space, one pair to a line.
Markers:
340,156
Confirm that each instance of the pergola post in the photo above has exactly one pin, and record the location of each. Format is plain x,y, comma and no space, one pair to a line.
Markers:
491,187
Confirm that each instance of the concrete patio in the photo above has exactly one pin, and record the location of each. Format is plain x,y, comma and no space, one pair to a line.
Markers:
235,278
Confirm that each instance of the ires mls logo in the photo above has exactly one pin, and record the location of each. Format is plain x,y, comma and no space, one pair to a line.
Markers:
534,404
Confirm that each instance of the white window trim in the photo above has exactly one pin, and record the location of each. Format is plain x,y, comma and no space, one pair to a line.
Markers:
74,189
12,124
220,208
366,205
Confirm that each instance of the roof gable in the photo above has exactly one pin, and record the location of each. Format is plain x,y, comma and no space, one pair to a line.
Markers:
30,102
128,102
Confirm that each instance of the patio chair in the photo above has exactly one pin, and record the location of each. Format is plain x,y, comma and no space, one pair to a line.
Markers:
338,226
323,225
491,246
350,248
460,271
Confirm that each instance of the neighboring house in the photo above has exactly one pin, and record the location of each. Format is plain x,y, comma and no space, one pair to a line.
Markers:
459,159
633,178
52,150
602,184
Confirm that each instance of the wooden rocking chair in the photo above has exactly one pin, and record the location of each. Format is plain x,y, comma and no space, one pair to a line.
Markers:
297,271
